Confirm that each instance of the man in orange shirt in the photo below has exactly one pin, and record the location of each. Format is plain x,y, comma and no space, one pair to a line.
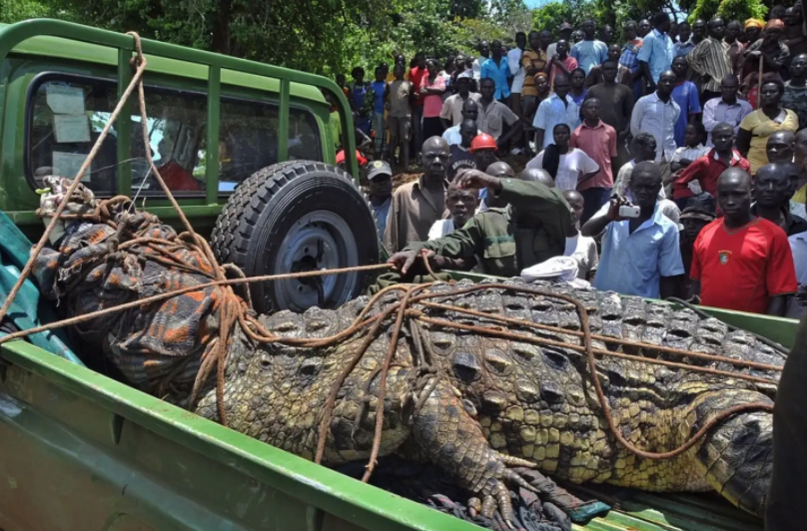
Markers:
742,262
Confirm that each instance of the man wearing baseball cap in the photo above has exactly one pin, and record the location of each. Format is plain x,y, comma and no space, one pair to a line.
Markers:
565,33
379,177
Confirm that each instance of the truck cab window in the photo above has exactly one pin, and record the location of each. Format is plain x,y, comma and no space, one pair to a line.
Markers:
247,140
304,138
68,113
66,119
176,131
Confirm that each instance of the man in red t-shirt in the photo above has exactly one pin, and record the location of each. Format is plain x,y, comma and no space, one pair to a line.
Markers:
742,262
708,168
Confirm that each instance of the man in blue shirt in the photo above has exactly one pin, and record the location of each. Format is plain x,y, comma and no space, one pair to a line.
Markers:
640,255
589,52
684,44
497,69
559,108
656,54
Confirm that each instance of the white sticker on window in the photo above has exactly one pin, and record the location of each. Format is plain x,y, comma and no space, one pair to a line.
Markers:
65,100
68,164
71,128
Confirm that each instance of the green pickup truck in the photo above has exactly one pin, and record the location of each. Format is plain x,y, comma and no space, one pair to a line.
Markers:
80,451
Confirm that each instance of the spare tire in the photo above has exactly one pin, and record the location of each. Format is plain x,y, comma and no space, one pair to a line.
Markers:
298,216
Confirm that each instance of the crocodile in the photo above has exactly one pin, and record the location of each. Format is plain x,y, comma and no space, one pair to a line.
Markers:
499,403
475,402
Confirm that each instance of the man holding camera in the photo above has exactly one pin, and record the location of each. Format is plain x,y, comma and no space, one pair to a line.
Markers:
640,249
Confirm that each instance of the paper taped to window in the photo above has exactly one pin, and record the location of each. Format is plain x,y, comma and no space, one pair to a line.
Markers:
63,99
68,165
71,128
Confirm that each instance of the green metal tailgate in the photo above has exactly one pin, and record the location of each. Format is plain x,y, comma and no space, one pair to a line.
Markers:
79,451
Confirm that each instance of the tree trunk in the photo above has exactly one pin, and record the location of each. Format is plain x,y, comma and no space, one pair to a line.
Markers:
221,27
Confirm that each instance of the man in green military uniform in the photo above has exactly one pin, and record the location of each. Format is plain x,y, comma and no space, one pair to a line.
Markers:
528,222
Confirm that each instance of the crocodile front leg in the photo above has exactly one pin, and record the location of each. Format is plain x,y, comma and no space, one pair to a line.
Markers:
453,440
737,455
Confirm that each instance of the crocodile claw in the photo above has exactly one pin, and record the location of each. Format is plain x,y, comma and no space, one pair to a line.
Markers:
496,495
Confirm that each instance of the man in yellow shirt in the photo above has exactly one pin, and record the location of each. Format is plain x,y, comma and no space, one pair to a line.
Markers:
399,60
799,199
534,61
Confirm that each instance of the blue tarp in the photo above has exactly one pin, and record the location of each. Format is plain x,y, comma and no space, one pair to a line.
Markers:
28,310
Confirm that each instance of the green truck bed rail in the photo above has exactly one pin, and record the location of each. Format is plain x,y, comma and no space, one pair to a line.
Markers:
83,452
13,35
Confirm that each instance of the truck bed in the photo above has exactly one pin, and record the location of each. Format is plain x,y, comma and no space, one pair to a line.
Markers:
81,451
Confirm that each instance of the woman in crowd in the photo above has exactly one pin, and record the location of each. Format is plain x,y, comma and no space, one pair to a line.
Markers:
770,51
358,96
568,166
579,90
762,123
434,85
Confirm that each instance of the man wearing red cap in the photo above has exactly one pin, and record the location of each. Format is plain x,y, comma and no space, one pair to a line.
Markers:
483,149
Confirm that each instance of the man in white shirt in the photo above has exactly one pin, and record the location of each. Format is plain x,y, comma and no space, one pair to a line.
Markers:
517,71
557,108
484,55
451,113
798,246
470,111
657,114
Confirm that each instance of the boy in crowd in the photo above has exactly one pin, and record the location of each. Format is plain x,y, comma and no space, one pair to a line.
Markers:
379,95
400,116
693,147
597,140
461,156
461,204
705,170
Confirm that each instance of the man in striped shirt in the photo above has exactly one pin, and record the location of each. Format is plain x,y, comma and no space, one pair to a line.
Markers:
710,60
630,57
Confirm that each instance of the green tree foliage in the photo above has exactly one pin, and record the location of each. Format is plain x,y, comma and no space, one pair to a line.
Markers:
329,36
12,10
728,9
552,15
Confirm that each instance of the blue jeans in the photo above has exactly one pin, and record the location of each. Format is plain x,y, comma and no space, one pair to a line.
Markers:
594,199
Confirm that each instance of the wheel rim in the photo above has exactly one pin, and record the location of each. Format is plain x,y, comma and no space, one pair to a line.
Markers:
318,240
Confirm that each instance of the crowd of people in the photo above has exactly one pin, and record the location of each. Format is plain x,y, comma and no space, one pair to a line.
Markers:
671,164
